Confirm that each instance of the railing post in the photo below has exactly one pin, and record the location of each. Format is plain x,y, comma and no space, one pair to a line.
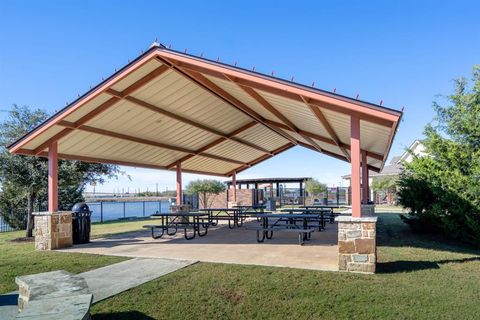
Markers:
101,211
143,208
338,196
124,209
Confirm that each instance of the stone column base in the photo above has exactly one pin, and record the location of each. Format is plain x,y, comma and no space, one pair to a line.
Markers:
53,230
357,251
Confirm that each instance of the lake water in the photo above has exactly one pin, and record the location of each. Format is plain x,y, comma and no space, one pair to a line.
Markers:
117,210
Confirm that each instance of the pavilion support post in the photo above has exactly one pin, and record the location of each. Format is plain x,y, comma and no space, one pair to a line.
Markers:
355,163
365,193
179,183
53,229
301,194
357,250
53,177
234,187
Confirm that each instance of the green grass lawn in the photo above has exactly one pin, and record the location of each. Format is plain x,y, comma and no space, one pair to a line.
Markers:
21,258
419,277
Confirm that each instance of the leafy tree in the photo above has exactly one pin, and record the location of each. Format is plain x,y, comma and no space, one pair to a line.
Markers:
204,188
315,187
24,178
384,183
442,189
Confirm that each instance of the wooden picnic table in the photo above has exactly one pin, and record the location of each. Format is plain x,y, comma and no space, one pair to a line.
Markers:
181,220
286,222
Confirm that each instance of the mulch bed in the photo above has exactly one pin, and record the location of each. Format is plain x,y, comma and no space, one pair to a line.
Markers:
23,239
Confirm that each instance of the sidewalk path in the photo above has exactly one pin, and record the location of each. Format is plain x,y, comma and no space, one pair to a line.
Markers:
108,281
113,279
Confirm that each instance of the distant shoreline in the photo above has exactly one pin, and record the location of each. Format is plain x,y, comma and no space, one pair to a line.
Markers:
126,199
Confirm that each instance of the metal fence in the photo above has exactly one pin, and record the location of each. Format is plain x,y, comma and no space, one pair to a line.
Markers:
4,227
332,196
107,211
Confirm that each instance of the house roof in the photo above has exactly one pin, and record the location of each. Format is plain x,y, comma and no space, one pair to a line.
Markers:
396,163
167,107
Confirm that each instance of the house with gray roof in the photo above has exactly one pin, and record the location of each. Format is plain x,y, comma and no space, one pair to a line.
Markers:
393,169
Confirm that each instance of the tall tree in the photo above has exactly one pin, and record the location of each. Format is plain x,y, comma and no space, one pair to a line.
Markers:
205,188
442,189
24,178
315,187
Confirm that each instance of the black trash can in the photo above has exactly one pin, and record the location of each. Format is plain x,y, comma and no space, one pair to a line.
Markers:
81,223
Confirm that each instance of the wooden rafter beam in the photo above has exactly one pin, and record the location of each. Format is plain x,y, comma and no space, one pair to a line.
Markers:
125,137
104,106
267,105
144,80
318,137
378,117
65,156
262,158
214,143
323,120
205,83
179,118
331,154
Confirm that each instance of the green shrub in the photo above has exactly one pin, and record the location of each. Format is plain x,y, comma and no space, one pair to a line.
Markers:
442,189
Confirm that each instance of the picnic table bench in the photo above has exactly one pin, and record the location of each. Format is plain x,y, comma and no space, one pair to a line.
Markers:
328,207
256,208
320,211
234,216
175,221
281,222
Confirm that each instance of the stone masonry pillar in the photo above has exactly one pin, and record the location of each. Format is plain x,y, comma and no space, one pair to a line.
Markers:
357,251
53,230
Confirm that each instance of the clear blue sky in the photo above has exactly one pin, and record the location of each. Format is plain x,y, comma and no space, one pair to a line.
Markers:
401,52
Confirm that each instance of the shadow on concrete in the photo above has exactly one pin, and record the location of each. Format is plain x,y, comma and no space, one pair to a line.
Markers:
410,266
220,234
125,315
9,299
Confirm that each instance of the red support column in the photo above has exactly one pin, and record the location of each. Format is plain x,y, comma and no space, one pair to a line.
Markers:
365,192
234,186
53,177
179,182
355,163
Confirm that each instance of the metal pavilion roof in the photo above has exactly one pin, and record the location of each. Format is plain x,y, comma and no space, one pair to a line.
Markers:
166,106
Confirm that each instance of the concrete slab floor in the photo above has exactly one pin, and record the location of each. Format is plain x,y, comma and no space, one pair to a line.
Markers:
224,245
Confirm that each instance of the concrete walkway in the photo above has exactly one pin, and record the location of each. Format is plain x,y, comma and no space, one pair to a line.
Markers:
110,280
113,279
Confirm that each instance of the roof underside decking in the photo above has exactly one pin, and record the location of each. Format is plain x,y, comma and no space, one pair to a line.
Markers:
215,119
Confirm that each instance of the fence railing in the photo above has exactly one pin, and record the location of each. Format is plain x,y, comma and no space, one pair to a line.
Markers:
107,211
4,227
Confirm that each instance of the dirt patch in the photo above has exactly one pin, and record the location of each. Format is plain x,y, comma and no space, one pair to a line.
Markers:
234,297
23,239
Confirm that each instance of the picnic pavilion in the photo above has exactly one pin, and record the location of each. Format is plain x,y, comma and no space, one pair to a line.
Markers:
173,111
